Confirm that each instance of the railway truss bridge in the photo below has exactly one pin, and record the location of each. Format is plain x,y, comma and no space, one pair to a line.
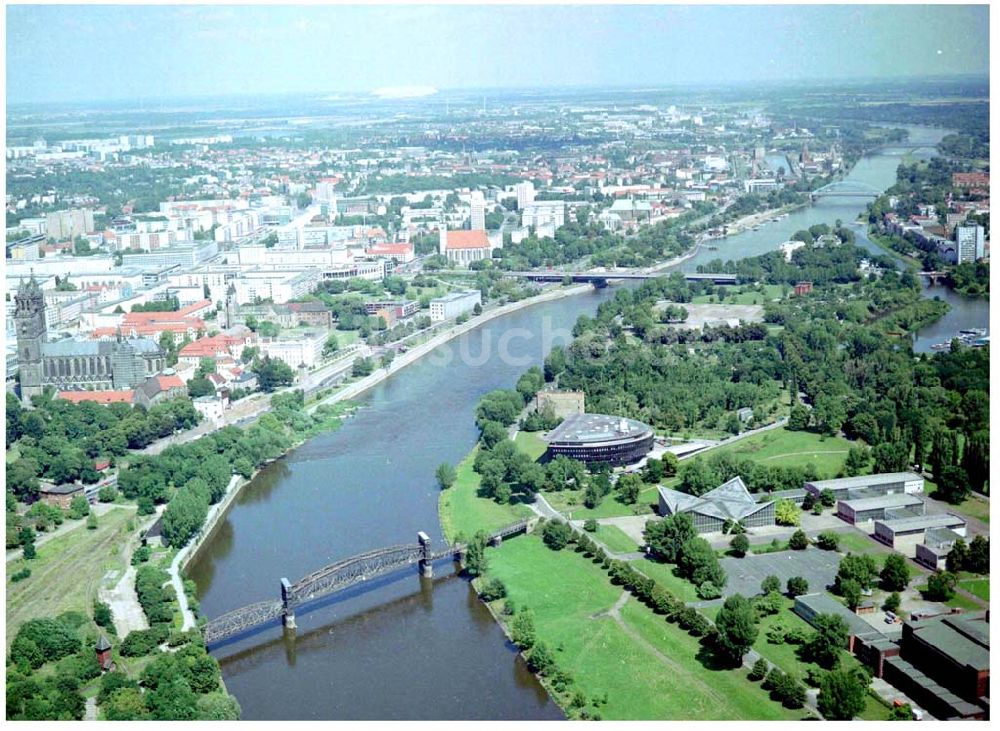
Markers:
339,577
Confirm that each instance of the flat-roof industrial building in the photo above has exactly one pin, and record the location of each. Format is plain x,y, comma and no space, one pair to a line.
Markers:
914,528
933,552
883,484
862,509
945,665
600,438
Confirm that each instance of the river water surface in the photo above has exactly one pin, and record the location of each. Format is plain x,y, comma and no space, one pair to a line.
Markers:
413,648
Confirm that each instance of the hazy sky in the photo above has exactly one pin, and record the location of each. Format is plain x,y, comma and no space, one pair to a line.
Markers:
82,53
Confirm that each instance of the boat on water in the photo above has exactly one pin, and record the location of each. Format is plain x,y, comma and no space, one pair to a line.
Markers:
712,248
941,346
756,228
973,331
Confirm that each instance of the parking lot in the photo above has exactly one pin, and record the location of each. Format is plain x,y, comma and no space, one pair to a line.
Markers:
745,574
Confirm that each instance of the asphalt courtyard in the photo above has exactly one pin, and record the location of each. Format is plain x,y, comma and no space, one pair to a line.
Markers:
816,566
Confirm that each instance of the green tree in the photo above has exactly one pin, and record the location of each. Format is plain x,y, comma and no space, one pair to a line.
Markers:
446,475
857,460
851,591
976,459
979,555
126,704
953,485
556,534
798,418
522,629
895,573
475,555
892,602
828,541
901,713
799,541
829,637
841,695
797,586
786,512
861,568
628,487
770,584
759,669
941,586
79,507
666,537
737,629
739,545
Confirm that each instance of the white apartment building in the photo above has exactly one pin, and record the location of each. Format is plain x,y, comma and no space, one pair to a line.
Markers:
63,225
304,350
454,304
525,194
970,243
542,212
145,240
278,286
477,213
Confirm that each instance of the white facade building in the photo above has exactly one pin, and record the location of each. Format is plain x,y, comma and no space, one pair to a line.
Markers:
542,212
477,214
525,194
454,304
971,243
305,350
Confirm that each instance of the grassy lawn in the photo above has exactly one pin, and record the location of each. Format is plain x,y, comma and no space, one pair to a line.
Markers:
974,508
783,448
531,443
571,501
463,511
874,710
977,585
647,668
663,574
857,542
616,539
771,292
67,571
959,601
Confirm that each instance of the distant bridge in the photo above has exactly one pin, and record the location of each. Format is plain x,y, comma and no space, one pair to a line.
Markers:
935,277
846,190
600,279
341,576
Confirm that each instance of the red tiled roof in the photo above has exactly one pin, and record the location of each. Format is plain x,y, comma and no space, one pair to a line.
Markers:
467,240
98,397
168,382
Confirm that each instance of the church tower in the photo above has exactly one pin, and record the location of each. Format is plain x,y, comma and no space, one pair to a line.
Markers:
230,306
29,319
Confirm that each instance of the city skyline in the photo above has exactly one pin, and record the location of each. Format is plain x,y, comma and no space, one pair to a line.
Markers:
328,50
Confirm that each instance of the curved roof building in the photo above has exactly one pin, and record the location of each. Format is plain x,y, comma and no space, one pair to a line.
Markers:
600,438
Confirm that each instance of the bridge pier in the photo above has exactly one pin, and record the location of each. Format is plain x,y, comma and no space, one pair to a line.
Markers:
496,541
287,605
426,567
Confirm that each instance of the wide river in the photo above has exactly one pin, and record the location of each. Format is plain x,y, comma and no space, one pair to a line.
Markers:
413,648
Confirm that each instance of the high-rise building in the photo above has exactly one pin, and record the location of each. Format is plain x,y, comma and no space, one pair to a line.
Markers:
525,194
478,213
970,243
63,225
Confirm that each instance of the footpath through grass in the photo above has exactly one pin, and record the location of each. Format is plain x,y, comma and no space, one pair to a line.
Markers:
461,510
67,571
784,448
648,668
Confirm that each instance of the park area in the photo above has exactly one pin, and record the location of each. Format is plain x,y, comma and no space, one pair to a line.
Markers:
613,645
785,448
68,570
463,512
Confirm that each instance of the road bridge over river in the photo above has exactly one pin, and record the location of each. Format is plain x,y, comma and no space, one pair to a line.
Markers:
356,571
600,279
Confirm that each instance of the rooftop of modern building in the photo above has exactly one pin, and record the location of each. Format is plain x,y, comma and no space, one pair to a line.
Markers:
729,501
823,603
596,428
963,638
861,481
938,537
916,522
452,296
892,500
